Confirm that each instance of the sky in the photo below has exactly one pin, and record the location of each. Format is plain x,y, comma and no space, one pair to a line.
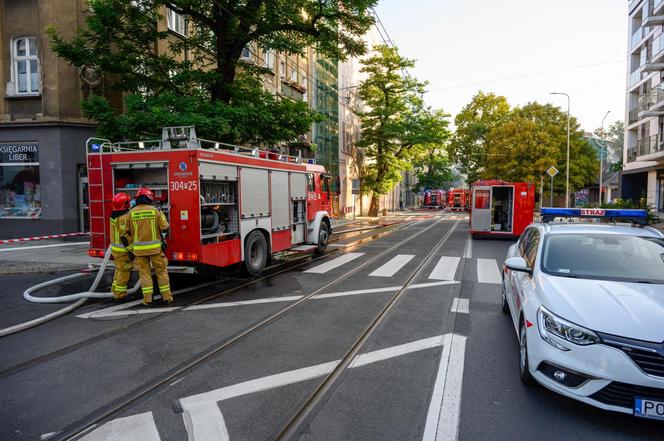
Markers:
522,49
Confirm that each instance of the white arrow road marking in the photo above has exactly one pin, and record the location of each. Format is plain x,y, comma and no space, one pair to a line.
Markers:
334,263
487,271
445,269
442,423
131,428
197,407
393,265
118,311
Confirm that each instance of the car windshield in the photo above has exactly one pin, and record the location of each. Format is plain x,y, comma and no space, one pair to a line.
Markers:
604,256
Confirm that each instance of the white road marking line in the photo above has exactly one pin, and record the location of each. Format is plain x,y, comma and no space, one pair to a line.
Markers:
46,436
395,351
205,422
487,271
135,427
2,250
393,265
114,311
445,269
460,305
334,263
468,252
442,423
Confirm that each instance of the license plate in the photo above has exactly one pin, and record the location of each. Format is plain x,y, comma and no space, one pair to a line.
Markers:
647,408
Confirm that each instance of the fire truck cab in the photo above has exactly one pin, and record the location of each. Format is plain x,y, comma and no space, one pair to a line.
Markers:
500,208
225,204
434,198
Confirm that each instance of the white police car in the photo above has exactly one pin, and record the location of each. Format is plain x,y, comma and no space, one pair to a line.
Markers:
587,303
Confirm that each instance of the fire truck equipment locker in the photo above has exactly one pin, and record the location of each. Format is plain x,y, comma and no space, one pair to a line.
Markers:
280,200
298,185
501,208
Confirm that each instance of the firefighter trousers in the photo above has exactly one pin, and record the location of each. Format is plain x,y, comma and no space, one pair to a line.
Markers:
159,264
121,276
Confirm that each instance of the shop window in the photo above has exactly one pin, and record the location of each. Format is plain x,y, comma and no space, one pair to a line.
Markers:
177,23
20,195
25,66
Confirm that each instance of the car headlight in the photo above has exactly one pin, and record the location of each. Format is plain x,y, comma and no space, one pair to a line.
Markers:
549,323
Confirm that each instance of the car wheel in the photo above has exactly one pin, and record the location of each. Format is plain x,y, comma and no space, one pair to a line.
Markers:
323,238
524,369
506,307
255,253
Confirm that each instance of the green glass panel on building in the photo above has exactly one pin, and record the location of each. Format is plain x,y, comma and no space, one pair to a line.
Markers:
326,102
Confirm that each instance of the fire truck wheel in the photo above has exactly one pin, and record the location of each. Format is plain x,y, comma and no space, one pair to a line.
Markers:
323,238
255,253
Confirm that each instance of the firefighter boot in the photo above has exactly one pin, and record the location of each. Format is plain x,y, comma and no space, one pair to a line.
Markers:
160,265
145,275
121,276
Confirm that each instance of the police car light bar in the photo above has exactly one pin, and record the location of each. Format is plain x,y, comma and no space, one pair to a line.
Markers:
636,216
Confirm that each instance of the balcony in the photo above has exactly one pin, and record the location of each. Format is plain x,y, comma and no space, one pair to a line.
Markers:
650,147
634,77
649,102
637,37
657,8
632,116
631,154
657,54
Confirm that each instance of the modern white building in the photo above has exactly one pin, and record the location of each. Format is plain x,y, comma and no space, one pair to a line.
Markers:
643,155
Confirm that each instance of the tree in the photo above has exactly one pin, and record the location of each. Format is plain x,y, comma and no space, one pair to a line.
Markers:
468,146
614,138
434,170
397,125
165,78
533,138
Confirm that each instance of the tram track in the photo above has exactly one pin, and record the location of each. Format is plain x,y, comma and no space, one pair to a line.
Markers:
106,412
130,326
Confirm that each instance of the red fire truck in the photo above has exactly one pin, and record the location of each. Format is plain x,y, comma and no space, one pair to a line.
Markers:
501,208
435,198
457,199
225,204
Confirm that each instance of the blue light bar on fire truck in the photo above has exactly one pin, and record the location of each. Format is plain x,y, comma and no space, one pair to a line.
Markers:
635,216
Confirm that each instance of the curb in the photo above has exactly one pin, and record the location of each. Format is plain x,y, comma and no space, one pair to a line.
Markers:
51,236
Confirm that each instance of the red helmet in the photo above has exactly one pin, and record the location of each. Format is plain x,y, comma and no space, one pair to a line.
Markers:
121,201
145,192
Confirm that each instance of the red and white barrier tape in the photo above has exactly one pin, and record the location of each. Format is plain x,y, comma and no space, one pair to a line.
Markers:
50,236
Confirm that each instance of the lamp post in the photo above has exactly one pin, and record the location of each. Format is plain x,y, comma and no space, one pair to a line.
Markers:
602,146
567,173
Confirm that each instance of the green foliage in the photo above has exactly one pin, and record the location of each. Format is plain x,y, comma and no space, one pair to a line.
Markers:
533,138
614,138
434,170
397,127
641,204
468,147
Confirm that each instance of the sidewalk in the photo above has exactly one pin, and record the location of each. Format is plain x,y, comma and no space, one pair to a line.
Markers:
44,256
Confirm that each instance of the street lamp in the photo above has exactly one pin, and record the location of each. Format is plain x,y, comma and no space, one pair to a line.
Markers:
602,146
567,174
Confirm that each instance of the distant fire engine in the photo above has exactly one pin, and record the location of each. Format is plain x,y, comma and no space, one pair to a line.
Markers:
457,199
225,204
435,198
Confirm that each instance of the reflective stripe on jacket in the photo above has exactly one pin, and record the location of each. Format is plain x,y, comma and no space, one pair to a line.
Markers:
119,227
147,222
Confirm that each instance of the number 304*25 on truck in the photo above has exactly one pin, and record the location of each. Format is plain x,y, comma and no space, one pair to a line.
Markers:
225,204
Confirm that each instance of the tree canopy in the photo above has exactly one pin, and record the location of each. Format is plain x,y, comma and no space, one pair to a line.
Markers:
614,138
468,145
396,125
531,139
434,170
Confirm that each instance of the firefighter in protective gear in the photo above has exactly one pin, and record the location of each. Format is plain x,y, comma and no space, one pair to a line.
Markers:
120,245
147,223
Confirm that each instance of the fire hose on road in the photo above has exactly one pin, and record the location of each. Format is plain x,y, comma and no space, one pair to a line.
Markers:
80,298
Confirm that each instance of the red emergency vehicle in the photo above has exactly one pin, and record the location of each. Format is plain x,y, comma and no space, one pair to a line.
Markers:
501,208
457,199
435,198
225,204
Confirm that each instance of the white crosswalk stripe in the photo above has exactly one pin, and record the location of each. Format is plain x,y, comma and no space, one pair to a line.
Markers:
393,265
445,269
334,263
460,305
133,427
487,271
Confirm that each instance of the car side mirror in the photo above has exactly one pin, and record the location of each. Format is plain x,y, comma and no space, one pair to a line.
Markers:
518,264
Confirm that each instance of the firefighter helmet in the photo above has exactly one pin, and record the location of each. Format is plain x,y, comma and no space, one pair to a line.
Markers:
121,201
145,192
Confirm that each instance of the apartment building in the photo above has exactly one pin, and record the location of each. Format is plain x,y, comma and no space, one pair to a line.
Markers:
643,155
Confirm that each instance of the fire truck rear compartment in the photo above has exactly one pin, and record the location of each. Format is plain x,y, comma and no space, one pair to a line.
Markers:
130,177
219,211
501,203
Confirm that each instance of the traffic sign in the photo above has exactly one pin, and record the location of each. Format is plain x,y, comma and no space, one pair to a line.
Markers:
552,171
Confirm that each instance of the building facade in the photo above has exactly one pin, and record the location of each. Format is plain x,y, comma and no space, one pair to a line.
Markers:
643,155
42,132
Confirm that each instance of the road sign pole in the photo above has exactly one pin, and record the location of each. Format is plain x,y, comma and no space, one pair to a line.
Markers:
551,200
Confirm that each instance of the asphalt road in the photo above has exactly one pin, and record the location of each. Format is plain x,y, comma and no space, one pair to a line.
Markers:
442,365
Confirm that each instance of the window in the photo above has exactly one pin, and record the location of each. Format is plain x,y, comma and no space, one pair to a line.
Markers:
20,195
282,68
269,59
303,81
310,182
246,53
25,66
293,74
177,23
